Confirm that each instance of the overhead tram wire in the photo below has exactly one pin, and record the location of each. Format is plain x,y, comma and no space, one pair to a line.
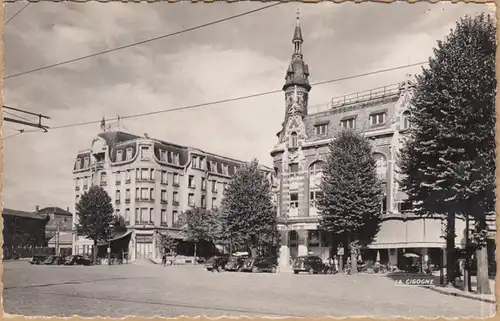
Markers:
141,42
236,98
16,14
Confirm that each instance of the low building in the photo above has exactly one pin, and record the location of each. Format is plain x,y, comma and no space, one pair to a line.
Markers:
59,220
22,231
151,182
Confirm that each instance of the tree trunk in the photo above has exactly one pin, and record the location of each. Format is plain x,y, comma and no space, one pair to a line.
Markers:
194,260
95,252
450,249
483,282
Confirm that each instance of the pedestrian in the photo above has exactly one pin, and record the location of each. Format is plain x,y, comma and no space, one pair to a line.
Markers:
164,259
215,266
348,266
336,264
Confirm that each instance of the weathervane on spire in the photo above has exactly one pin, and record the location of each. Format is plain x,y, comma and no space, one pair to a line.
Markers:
298,16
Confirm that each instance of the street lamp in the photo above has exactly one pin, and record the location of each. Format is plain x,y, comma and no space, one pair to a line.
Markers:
109,243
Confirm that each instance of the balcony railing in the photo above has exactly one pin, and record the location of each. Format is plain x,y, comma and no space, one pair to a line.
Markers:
103,183
127,200
175,203
85,187
77,188
164,182
214,190
117,201
164,202
144,222
140,199
164,224
127,181
363,96
118,182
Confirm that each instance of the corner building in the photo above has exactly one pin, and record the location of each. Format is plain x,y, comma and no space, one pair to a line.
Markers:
382,115
150,183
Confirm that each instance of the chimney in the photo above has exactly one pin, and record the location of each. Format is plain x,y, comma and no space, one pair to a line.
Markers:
37,208
67,209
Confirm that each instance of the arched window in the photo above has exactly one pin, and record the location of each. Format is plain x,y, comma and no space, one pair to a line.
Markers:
316,167
406,119
293,139
381,166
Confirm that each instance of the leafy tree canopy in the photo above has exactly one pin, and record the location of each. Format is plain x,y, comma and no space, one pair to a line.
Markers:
350,204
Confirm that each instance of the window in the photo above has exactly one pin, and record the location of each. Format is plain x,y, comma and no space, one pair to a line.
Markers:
164,177
321,129
85,182
377,119
316,168
203,183
119,155
383,204
191,199
176,158
175,179
118,178
86,162
152,175
348,123
381,165
196,162
404,206
313,197
127,176
225,169
163,216
77,183
78,164
127,215
294,200
175,197
214,186
127,195
152,194
117,196
151,215
213,166
293,139
144,193
191,181
144,215
175,217
203,201
144,153
104,178
293,169
163,155
214,203
163,195
117,212
406,120
144,174
129,153
77,198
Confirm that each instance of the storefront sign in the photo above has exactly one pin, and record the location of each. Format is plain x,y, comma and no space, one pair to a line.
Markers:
144,238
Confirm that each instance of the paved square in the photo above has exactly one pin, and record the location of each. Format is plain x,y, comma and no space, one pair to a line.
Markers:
149,290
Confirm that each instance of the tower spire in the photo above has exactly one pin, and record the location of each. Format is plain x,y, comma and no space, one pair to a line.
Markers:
298,71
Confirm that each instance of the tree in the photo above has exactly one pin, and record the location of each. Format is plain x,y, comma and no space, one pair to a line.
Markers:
247,213
198,224
165,243
350,204
448,161
94,216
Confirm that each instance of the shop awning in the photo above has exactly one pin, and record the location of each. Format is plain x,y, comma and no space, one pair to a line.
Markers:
176,235
116,236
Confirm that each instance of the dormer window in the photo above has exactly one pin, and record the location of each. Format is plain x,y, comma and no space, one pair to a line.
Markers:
225,169
196,162
348,123
293,139
163,155
406,120
321,129
86,162
213,166
78,164
377,119
144,153
129,153
119,155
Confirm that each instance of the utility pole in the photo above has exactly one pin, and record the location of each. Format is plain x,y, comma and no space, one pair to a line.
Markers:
467,278
25,122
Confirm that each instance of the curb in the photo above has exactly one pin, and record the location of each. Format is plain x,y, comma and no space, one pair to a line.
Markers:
461,295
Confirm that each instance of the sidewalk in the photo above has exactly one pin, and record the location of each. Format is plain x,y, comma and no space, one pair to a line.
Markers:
489,298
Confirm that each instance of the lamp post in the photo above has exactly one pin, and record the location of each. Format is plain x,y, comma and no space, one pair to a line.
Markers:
109,243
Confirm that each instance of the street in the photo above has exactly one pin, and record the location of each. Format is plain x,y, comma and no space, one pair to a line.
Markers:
148,290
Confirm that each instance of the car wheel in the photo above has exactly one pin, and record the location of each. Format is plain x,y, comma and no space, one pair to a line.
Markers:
310,271
295,272
273,269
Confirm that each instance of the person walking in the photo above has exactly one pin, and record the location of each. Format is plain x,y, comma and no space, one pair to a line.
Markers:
348,266
336,265
164,259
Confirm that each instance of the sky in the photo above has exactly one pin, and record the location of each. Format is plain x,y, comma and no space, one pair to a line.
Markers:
240,57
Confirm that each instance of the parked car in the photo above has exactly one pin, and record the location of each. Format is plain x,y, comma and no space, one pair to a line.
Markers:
260,264
308,263
219,261
234,263
77,260
38,259
53,260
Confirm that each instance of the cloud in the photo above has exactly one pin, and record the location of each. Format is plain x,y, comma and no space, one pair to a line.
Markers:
240,57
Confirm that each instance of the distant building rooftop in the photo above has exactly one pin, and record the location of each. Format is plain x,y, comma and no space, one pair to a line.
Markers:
11,212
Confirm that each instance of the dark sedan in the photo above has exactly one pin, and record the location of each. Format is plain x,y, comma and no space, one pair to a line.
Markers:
53,260
308,263
216,263
234,263
77,260
38,259
260,264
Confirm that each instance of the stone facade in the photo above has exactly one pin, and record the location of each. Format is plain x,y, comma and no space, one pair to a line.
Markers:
382,115
150,183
